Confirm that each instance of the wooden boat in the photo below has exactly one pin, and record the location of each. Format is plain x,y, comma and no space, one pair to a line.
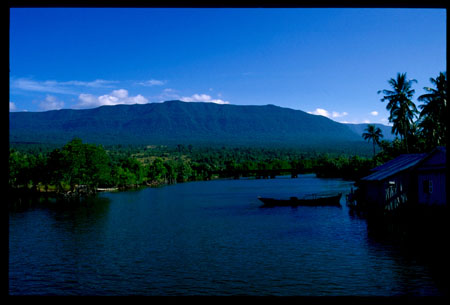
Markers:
308,201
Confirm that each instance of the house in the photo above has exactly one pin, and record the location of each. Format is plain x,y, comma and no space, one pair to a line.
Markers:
431,178
407,179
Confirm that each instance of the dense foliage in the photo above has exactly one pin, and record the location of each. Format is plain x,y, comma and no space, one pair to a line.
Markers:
419,131
93,166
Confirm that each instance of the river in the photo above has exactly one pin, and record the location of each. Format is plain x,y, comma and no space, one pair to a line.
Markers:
207,238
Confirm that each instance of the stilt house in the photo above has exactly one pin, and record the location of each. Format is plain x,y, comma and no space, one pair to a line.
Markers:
407,179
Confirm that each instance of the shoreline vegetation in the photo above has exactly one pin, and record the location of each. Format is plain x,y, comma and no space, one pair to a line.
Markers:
78,169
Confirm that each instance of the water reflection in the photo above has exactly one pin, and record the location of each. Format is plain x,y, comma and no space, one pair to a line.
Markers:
413,255
206,238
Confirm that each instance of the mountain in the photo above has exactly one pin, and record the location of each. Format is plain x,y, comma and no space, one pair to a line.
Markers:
360,129
176,122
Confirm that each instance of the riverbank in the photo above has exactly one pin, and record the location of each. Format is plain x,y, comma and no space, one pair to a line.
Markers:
25,197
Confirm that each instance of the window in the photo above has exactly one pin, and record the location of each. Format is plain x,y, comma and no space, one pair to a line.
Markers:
428,186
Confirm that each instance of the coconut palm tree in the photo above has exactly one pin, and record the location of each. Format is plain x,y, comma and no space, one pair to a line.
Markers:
374,134
432,120
402,109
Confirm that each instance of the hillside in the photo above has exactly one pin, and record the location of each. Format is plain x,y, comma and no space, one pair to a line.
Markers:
176,122
360,129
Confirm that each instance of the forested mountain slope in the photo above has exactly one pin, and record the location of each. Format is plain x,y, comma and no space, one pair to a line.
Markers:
176,122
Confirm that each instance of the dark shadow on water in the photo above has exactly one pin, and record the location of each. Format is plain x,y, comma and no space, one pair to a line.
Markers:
419,234
94,203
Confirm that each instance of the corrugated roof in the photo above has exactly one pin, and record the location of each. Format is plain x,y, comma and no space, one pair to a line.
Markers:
394,166
435,159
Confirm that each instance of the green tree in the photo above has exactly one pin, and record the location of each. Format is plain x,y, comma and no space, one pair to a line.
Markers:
389,150
202,170
56,168
171,171
98,166
231,167
374,134
38,171
124,177
156,171
432,120
135,168
279,164
401,107
82,164
18,167
184,171
73,162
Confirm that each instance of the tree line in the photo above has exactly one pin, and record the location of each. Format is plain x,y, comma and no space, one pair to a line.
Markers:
89,165
92,166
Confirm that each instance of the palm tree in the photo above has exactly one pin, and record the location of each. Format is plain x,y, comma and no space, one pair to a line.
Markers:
373,134
432,117
402,109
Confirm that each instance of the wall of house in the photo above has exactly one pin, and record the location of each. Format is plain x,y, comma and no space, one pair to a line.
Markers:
432,170
392,192
438,192
399,190
373,193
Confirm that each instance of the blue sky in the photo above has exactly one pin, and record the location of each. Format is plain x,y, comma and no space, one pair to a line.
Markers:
320,60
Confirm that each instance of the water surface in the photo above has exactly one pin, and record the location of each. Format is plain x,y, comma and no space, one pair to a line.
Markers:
207,238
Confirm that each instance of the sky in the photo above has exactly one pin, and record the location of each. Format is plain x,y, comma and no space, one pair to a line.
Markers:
325,61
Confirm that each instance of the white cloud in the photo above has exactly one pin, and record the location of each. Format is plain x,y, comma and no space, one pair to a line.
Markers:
203,98
52,86
323,112
51,103
366,121
374,113
320,111
169,93
152,82
12,106
98,83
45,86
338,115
121,93
87,100
114,98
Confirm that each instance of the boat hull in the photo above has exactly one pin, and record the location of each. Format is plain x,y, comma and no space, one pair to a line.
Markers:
293,201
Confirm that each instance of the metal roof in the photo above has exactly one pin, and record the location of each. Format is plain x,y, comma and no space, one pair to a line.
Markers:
437,159
394,166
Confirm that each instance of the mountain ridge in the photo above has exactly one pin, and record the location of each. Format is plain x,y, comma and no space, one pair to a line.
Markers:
177,122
